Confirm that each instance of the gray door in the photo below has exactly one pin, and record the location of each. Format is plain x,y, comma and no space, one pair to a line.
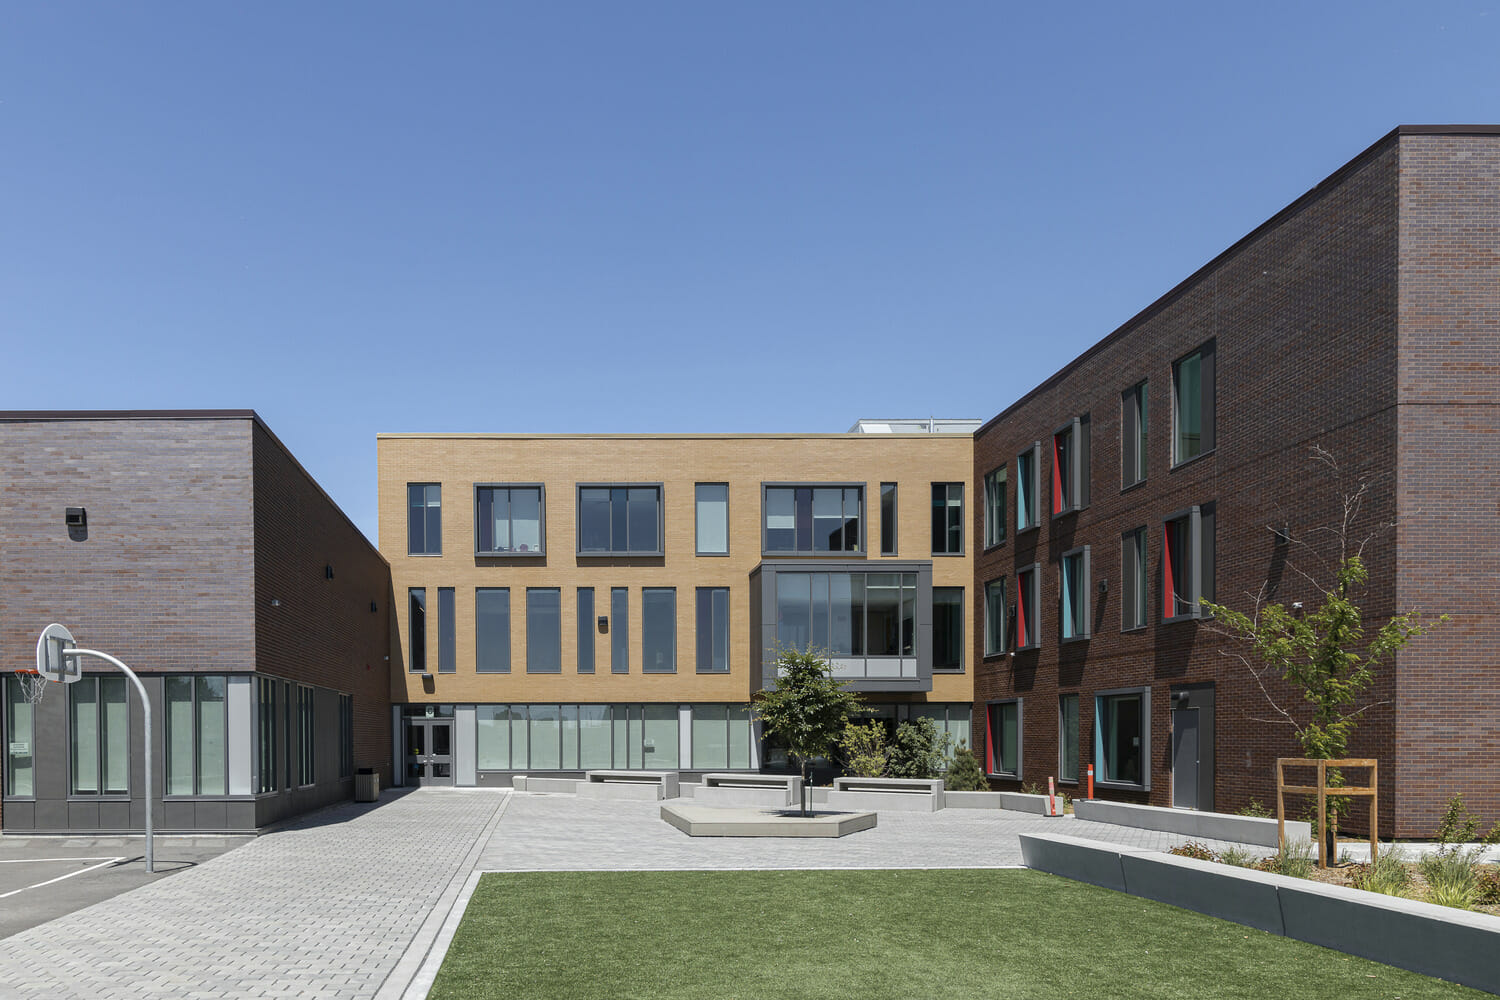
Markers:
429,752
1185,758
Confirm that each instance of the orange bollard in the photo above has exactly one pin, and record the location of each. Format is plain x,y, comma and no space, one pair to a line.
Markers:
1091,781
1052,796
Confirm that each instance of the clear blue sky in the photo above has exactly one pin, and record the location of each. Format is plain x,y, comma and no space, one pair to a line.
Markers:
361,217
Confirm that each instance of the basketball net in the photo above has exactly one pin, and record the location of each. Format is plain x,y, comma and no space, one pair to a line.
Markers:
33,685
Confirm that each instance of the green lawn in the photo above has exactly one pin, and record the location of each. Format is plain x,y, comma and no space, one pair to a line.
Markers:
870,935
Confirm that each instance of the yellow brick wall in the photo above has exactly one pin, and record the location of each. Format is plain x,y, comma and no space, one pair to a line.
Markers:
914,462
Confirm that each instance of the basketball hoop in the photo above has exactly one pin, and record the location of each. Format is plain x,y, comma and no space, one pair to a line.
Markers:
33,684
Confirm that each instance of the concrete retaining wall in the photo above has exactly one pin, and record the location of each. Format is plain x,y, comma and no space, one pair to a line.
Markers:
532,783
1457,945
971,800
1025,802
1190,823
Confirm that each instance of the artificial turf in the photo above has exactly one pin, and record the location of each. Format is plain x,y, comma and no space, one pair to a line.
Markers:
872,935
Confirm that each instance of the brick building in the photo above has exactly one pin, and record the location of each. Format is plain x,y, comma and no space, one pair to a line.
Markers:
208,561
1363,319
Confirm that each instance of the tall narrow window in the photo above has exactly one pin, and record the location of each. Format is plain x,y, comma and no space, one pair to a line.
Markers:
1027,512
712,500
447,632
509,521
1133,435
994,617
1122,737
713,630
346,735
586,628
98,736
1133,579
994,507
307,771
1003,739
658,630
812,520
543,630
197,735
416,660
1193,404
424,519
620,520
947,628
619,630
1074,593
887,519
1187,562
1067,737
265,716
1028,600
492,630
947,519
1070,466
20,738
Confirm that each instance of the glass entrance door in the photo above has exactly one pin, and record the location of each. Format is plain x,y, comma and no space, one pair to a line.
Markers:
429,752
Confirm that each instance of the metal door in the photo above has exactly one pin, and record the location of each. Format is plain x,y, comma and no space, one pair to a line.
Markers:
429,751
1185,758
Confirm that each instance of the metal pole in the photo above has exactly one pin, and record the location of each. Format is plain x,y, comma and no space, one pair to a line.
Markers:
146,705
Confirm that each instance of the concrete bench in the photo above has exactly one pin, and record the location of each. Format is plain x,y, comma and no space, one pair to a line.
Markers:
1190,822
769,791
1028,802
899,794
533,783
640,786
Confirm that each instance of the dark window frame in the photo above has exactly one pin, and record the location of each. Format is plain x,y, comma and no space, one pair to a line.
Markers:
889,524
962,631
534,664
1027,619
995,483
861,519
1135,422
587,631
97,681
1135,614
1102,775
416,645
996,632
649,630
541,496
1195,542
719,638
1063,777
951,523
614,552
504,641
1207,440
992,750
698,503
431,524
1082,609
1071,466
447,630
1028,487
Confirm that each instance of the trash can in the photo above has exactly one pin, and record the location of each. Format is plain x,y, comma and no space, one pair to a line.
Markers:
367,785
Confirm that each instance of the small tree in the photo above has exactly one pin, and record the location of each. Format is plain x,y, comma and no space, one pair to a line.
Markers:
918,750
965,774
807,710
1321,652
864,749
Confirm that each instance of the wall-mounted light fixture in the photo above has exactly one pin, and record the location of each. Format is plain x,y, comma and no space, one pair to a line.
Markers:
1103,586
373,607
275,603
77,520
604,623
328,572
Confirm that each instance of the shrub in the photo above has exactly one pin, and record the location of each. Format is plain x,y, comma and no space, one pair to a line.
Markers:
965,773
1239,857
1487,878
1388,873
1452,876
1294,859
1256,809
864,749
1458,825
918,750
1193,849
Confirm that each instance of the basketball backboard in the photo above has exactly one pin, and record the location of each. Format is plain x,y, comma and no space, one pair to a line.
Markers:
50,661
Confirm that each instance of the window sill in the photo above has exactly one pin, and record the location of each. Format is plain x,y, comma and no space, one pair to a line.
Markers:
948,671
1071,639
511,554
552,671
992,547
247,797
660,673
1003,776
1182,618
1027,649
949,555
1133,628
424,555
655,554
712,555
1133,486
1029,527
111,797
1189,461
856,554
713,673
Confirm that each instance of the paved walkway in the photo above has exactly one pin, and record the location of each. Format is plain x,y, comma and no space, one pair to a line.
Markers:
360,901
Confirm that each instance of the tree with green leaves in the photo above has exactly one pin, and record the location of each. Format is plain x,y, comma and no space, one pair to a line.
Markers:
965,774
1321,651
808,708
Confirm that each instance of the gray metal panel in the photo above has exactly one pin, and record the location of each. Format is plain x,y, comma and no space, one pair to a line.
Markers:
211,814
239,737
465,744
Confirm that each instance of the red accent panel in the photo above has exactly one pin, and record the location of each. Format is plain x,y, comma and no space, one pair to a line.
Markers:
1168,586
989,740
1021,588
1057,490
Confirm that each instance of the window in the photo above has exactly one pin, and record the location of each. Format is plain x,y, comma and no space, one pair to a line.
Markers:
1122,737
265,716
307,725
288,731
1070,467
543,630
713,630
658,630
1028,601
947,628
1074,594
1193,405
848,614
579,737
424,519
197,735
1187,562
1003,746
621,519
417,629
1067,737
722,736
509,520
887,519
994,617
346,736
1133,579
712,500
98,736
586,630
447,656
994,507
809,520
492,630
619,630
20,737
1133,435
947,519
1027,488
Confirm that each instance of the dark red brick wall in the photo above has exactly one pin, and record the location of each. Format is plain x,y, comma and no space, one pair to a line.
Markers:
1303,313
324,631
1448,740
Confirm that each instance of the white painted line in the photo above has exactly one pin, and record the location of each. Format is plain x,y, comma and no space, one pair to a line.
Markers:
59,878
42,861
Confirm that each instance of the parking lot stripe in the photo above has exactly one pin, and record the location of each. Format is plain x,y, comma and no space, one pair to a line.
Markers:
81,871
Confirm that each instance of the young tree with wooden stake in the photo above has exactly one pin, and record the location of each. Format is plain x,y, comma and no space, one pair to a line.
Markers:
806,710
1321,651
